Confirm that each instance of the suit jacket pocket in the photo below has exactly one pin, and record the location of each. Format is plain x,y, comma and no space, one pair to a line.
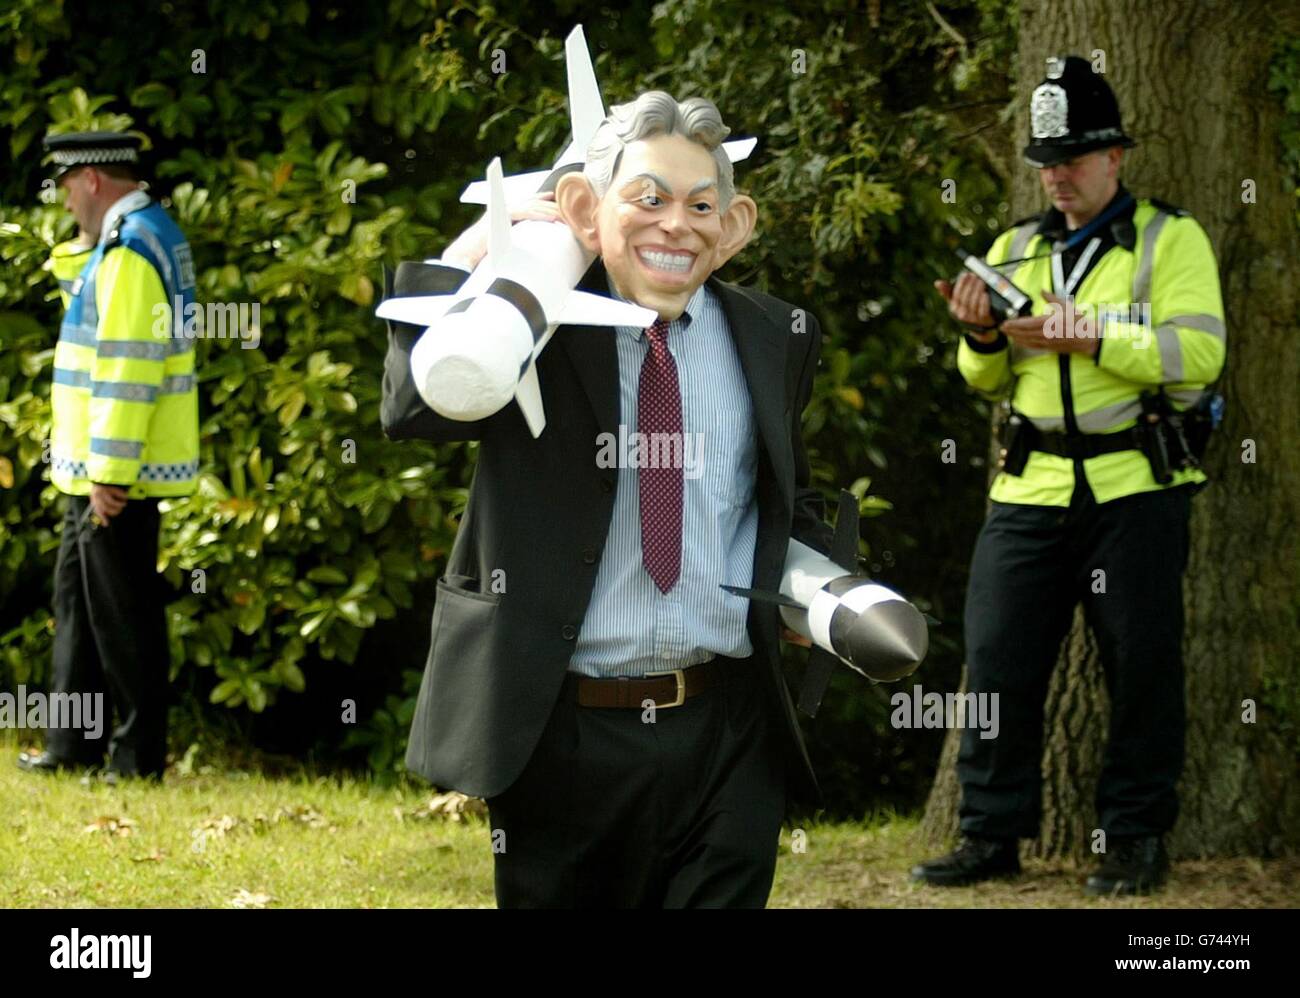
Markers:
457,713
462,622
467,587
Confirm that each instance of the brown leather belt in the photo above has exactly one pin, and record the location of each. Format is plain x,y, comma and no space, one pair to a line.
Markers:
667,689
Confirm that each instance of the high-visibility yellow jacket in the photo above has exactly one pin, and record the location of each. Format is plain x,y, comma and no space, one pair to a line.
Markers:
124,400
1178,342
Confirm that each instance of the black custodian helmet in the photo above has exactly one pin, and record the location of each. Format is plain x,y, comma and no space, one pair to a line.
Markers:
1072,111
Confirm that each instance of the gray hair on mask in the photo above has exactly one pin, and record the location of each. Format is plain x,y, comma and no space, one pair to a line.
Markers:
657,113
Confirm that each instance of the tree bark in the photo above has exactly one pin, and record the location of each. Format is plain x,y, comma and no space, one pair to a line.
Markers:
1191,78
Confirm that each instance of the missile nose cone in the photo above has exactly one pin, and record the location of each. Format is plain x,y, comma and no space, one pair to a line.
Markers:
889,640
464,371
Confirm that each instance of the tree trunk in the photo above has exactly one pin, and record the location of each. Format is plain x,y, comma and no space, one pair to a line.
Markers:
1192,85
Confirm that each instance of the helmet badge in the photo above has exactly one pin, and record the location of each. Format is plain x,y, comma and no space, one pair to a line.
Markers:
1047,112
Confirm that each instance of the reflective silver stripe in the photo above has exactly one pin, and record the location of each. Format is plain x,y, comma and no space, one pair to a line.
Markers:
1203,321
1048,423
138,349
67,285
1020,241
164,261
82,336
1142,278
1105,418
73,379
108,447
1171,352
124,391
176,384
1108,416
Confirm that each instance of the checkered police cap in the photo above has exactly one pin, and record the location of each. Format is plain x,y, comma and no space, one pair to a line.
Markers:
73,149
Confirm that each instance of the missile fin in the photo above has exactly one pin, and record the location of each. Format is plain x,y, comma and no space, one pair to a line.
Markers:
739,149
821,664
780,599
586,108
498,214
528,394
582,308
844,548
418,310
518,187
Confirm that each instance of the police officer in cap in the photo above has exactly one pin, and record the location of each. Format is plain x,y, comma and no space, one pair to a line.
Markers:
1106,376
124,435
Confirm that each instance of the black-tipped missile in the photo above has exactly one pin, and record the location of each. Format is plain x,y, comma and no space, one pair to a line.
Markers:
848,617
480,345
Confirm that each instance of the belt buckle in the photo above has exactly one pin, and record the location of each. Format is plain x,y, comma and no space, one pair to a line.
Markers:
681,686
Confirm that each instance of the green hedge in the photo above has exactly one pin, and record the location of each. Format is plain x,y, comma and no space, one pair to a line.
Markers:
309,528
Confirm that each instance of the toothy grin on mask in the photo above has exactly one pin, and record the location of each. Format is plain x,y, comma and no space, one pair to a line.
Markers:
674,263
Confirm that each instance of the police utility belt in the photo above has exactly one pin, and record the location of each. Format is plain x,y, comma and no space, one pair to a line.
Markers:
1169,439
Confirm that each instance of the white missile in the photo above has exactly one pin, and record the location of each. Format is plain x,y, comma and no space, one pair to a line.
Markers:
480,345
586,112
848,617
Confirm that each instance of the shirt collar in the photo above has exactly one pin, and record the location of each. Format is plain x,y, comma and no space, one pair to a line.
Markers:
1121,226
119,209
692,309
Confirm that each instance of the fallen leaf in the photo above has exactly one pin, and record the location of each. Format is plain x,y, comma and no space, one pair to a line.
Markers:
110,825
247,899
450,806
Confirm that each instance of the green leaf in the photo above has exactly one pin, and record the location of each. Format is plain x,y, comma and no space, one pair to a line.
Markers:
152,94
327,575
224,690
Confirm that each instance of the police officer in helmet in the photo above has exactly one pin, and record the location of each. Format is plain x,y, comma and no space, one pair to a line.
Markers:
1106,377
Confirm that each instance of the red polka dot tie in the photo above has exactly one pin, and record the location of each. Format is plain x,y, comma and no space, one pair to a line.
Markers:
659,411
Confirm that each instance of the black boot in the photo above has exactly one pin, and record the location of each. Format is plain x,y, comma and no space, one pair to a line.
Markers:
44,762
973,860
1132,866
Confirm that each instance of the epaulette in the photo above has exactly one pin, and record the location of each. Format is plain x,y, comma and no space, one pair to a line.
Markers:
1171,209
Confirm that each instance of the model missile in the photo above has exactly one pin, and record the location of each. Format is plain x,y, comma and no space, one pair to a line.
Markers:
480,345
847,617
586,112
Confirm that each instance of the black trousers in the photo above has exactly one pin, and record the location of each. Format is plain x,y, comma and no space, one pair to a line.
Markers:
1032,566
110,635
614,812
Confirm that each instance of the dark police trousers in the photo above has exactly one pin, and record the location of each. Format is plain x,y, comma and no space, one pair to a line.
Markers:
614,812
1032,566
110,635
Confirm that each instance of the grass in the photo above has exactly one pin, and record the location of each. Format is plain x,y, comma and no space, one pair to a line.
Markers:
230,838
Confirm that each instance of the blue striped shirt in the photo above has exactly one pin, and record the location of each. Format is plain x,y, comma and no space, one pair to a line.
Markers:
631,628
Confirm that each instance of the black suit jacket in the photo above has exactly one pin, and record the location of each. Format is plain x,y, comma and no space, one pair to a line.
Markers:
540,509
